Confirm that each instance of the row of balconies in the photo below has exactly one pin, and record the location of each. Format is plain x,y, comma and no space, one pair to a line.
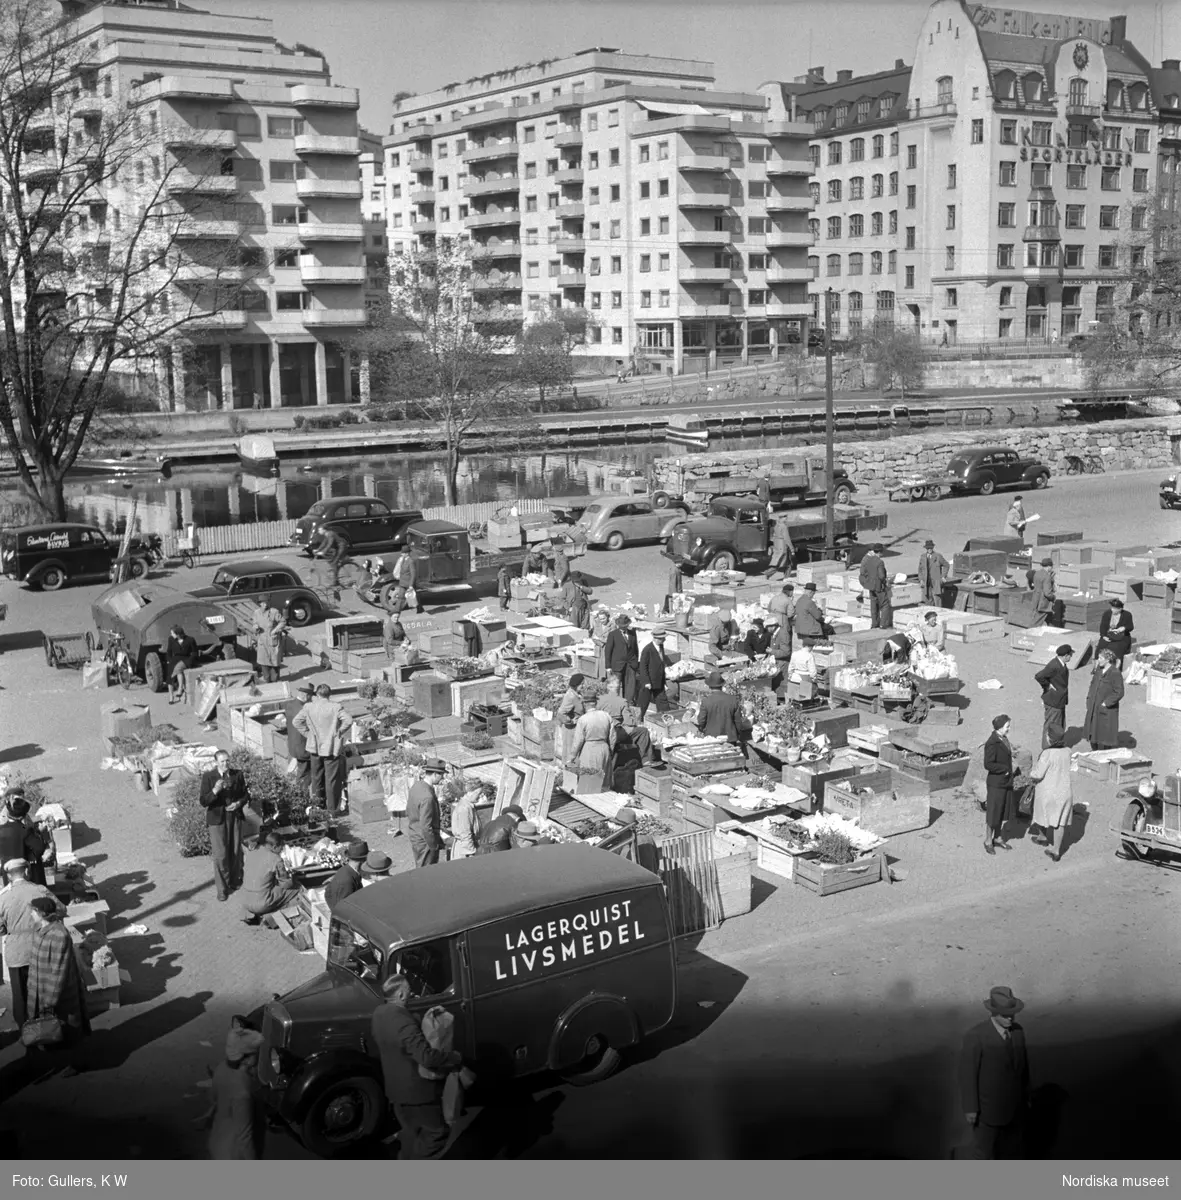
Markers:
217,229
314,318
485,314
221,90
309,272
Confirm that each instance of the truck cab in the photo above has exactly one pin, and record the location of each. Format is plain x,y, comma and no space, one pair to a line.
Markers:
735,529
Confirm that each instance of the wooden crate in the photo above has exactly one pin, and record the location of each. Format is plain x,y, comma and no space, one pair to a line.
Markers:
1164,689
863,646
773,856
970,627
828,878
432,695
1079,578
886,813
1130,770
1083,612
966,562
836,724
1119,587
1054,537
732,863
700,813
653,786
948,773
1075,555
1159,592
942,715
922,741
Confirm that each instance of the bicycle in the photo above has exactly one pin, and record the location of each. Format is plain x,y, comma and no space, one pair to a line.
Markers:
1091,464
116,658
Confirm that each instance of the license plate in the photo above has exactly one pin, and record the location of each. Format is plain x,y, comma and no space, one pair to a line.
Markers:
1159,830
215,620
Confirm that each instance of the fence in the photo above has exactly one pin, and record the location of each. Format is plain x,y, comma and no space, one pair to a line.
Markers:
691,880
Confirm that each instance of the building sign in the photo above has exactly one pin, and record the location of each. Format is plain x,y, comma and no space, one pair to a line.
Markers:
1093,153
564,938
1039,25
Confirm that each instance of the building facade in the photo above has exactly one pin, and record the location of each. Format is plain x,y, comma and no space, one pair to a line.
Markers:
374,214
676,216
258,154
854,188
1166,91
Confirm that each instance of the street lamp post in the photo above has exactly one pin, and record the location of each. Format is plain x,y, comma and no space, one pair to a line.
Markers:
829,425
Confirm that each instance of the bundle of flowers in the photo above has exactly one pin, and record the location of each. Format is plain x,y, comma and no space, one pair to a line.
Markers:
462,667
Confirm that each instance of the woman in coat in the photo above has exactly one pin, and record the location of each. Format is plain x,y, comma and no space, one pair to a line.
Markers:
237,1114
1053,800
271,630
1115,632
180,656
1106,691
998,766
591,750
55,982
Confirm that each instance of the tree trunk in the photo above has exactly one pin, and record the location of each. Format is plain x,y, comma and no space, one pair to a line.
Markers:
451,471
47,493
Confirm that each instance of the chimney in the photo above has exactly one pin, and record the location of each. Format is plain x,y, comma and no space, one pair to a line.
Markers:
1119,30
815,74
1171,64
900,64
844,76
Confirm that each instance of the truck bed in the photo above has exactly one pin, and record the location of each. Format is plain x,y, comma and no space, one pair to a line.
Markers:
848,519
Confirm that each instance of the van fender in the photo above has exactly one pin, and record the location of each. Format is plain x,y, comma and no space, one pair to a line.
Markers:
598,1014
34,575
319,1069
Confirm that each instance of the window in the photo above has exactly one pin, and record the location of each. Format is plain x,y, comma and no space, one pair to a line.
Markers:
1107,256
289,301
1108,216
592,122
1039,175
911,195
977,130
1139,217
949,258
616,299
530,204
834,191
665,298
1005,327
1137,256
814,155
951,175
894,145
532,270
857,188
912,156
910,236
1078,92
616,336
645,227
834,154
1076,176
1004,256
1006,297
756,190
593,161
1006,216
284,214
1043,212
834,227
875,263
863,109
1105,296
613,158
645,263
1035,297
879,146
814,266
875,224
760,154
842,114
592,196
1109,180
283,126
877,186
645,152
615,192
1141,140
662,188
662,225
758,262
614,230
909,277
1140,179
1112,137
857,150
596,266
834,264
1077,136
951,216
856,225
814,228
1075,218
1008,174
662,151
616,264
555,268
282,172
893,183
814,192
645,299
612,117
856,262
892,263
893,221
530,170
1008,133
951,298
1073,256
1072,297
756,297
1040,133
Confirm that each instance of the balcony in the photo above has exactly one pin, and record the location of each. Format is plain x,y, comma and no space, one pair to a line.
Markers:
327,143
778,239
490,151
321,318
704,162
572,279
1041,233
206,273
185,87
780,203
704,198
420,162
690,308
318,273
491,250
87,105
568,175
194,227
422,195
803,130
186,137
778,309
491,185
696,274
39,167
1041,272
489,220
1091,111
313,95
566,138
496,282
183,182
227,318
569,245
704,237
329,189
497,314
944,110
489,117
782,274
789,166
421,225
572,211
331,231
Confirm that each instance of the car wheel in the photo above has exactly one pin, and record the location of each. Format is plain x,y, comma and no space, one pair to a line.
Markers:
138,568
842,495
53,579
723,561
661,500
1135,819
987,487
153,672
300,613
615,541
386,595
346,1112
1041,481
602,1060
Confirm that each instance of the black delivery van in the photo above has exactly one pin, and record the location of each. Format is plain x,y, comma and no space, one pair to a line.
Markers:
555,958
48,556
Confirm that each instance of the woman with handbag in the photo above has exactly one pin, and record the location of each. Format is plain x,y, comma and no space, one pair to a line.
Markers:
57,998
1053,798
998,767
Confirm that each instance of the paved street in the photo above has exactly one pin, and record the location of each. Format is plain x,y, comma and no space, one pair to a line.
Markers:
812,1027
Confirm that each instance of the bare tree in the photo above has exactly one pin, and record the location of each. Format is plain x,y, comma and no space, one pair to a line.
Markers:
545,358
101,259
898,358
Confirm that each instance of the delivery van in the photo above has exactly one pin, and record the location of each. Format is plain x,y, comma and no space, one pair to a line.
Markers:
49,556
555,958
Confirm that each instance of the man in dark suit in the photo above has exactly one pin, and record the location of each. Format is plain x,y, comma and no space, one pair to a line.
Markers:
347,880
622,655
651,675
403,1048
297,744
497,835
994,1078
874,578
720,713
223,796
1054,678
422,815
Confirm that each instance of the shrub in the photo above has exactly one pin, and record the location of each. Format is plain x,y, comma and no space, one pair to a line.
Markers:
275,796
187,823
349,416
237,425
834,847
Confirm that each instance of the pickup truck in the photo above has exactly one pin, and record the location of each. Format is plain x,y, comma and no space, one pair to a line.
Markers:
793,478
736,534
447,556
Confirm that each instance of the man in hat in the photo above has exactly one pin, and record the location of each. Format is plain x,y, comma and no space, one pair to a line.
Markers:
422,814
19,930
1054,678
527,835
1045,598
498,833
782,550
611,701
723,635
236,1117
654,663
875,579
719,713
297,744
223,796
1015,520
810,626
782,607
621,653
19,839
270,627
994,1078
267,885
376,866
465,825
632,750
347,880
504,586
933,568
323,723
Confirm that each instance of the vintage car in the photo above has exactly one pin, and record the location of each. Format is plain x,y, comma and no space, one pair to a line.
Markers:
986,468
246,581
143,614
366,524
49,556
615,521
1170,492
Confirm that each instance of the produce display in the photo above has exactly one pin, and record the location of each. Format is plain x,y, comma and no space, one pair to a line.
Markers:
804,832
929,662
463,668
1169,661
753,797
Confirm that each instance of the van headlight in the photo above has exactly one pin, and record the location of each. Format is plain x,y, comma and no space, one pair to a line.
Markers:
698,543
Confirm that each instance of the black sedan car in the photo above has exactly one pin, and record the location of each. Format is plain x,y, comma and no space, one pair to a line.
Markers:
986,468
246,581
368,525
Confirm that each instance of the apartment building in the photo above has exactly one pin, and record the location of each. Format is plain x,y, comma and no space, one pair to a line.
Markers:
374,216
259,155
1166,94
1028,170
854,152
674,214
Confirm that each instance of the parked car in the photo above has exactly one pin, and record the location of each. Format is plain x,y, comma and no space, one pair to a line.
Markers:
987,468
367,524
246,581
615,521
143,614
1170,492
49,556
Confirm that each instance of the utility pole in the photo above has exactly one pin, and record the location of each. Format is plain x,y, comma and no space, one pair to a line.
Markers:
829,425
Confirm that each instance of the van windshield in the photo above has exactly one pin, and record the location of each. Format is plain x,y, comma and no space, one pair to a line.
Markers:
354,952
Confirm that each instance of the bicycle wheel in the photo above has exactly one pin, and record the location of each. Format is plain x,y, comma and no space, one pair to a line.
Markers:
1095,466
186,557
351,575
124,672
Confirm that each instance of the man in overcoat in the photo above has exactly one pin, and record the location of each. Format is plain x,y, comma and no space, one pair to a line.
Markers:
1103,699
1054,678
422,815
622,655
652,678
875,579
223,796
933,568
994,1078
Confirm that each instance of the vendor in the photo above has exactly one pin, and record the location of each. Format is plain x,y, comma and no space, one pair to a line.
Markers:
397,646
633,749
930,632
757,640
20,838
180,655
267,884
611,701
577,601
1115,632
897,648
497,835
810,626
724,634
526,836
591,751
719,712
534,563
572,705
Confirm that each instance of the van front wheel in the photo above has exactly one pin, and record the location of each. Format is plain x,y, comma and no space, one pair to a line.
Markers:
601,1061
346,1112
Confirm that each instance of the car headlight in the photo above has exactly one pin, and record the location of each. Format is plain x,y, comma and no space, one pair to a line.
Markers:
698,543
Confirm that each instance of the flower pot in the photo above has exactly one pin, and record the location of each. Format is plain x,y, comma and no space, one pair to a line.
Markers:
791,754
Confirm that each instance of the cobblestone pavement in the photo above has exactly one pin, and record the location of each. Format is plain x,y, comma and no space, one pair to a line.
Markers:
885,977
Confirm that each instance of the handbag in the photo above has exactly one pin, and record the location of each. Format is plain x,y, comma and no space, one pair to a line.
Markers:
43,1031
411,598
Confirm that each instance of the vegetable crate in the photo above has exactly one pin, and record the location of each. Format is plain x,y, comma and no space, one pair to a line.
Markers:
825,879
706,760
653,787
732,862
885,812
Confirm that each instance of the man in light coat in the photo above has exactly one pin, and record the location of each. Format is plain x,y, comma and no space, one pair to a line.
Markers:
323,724
405,575
1015,520
933,568
465,825
782,550
267,885
270,629
1045,597
422,815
